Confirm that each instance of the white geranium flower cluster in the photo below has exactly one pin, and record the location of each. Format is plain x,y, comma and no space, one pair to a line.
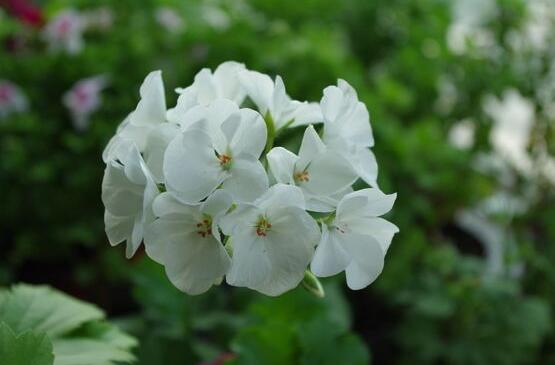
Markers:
204,187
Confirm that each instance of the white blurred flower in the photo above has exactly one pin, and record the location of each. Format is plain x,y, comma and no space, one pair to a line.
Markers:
128,190
461,134
347,129
65,32
83,99
221,149
12,99
101,18
170,19
513,118
322,174
273,102
216,17
186,240
468,26
357,239
273,241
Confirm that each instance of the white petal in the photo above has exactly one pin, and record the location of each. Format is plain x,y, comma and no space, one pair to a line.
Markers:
152,107
118,229
167,204
366,166
259,88
120,196
251,136
311,147
307,113
157,142
329,173
282,164
191,168
281,195
185,102
193,263
247,180
250,265
369,202
173,226
367,259
330,258
217,203
227,81
237,220
289,246
382,230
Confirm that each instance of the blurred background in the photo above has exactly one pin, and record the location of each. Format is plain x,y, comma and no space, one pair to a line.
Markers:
462,102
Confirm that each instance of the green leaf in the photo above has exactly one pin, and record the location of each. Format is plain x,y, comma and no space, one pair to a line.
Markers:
40,308
77,330
29,348
82,351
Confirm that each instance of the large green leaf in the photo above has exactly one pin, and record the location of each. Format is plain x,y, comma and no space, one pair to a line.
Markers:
78,332
29,348
40,308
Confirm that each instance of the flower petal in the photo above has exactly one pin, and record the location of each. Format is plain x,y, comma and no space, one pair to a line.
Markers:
247,180
191,168
259,88
330,258
369,202
281,195
367,259
282,164
329,173
152,106
311,147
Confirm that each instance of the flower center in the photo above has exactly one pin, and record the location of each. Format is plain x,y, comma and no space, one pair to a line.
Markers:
263,226
204,227
302,176
225,161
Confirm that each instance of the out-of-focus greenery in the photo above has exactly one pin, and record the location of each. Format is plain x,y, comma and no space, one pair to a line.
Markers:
437,301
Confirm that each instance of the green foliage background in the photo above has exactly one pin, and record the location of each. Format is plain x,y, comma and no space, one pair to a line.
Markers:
434,302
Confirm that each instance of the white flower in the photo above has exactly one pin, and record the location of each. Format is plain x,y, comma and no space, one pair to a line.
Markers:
347,129
209,87
272,101
65,32
170,19
513,118
357,240
186,240
12,99
146,126
83,99
273,241
321,173
461,134
128,190
221,149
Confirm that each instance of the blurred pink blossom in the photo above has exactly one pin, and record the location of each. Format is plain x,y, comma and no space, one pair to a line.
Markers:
65,31
12,99
83,99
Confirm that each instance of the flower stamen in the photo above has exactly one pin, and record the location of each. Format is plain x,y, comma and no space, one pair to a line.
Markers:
302,176
204,228
263,226
225,161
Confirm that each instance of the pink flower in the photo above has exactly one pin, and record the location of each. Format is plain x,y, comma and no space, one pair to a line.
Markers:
83,99
65,32
12,100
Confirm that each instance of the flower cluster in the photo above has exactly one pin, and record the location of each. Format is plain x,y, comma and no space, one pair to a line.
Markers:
204,187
